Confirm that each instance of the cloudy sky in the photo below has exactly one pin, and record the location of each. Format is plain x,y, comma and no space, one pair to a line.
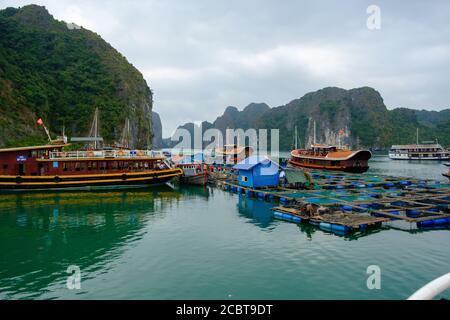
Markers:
200,56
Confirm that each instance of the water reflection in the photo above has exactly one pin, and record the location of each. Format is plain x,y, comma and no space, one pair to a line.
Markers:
256,211
41,234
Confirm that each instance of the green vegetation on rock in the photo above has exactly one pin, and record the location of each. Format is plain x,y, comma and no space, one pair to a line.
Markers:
61,75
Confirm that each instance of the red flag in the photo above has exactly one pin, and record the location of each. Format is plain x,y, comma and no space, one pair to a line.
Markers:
40,122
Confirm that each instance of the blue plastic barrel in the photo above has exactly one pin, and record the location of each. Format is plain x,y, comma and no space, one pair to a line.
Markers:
284,200
346,208
296,219
325,226
278,215
412,213
337,227
425,224
440,221
261,195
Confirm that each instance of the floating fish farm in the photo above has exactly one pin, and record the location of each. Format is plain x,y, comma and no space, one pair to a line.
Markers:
359,201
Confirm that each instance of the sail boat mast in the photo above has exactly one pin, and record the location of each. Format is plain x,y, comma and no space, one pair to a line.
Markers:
296,138
314,141
417,136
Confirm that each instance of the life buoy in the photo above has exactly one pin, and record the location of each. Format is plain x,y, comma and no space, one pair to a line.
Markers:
18,179
140,153
121,153
90,154
57,179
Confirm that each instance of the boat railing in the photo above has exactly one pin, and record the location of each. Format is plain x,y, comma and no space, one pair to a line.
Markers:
129,154
432,289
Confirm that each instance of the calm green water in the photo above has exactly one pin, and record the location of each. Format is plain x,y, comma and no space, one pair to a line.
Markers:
195,243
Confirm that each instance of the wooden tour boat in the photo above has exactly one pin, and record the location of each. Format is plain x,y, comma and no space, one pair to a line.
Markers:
324,157
52,167
49,167
232,154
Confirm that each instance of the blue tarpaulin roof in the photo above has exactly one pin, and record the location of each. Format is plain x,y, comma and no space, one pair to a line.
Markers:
252,161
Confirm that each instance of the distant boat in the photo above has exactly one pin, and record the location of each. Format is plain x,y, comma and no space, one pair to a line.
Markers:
232,153
426,151
194,170
324,157
423,151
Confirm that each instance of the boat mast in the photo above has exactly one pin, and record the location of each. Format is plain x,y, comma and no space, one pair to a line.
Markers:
94,128
417,136
296,138
125,140
314,132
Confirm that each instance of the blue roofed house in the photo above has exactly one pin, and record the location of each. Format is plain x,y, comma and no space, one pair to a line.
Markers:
257,171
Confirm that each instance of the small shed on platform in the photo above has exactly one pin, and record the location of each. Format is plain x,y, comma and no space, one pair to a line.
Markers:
257,171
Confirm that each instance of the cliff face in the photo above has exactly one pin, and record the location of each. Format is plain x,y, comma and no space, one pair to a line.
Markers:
356,117
61,74
157,131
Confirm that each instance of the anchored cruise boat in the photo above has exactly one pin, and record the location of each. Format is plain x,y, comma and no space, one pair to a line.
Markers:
425,151
324,157
419,151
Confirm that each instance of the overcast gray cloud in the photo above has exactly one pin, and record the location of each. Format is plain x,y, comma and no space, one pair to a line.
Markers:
200,56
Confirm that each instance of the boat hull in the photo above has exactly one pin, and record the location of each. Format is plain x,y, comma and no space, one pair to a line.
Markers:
351,169
409,157
97,181
199,179
347,161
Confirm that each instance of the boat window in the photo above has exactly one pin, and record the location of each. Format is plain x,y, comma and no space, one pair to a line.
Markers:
5,166
83,166
65,167
115,165
77,166
94,165
244,178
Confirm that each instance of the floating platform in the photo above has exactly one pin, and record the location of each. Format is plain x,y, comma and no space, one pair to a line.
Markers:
424,202
333,221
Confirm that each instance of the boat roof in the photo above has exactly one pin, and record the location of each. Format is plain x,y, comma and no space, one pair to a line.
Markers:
333,155
48,146
412,146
